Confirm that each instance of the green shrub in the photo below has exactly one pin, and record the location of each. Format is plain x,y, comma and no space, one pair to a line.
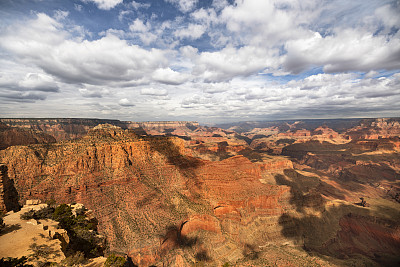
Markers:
27,215
42,251
43,213
51,203
63,215
76,259
82,233
114,261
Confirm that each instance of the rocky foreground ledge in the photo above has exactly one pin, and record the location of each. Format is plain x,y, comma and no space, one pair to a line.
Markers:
41,241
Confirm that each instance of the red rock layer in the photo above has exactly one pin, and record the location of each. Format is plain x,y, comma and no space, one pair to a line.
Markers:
148,196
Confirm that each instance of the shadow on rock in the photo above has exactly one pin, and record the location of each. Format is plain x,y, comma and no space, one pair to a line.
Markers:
10,228
304,189
344,231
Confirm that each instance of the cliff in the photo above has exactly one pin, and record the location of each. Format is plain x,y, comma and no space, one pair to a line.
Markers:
66,129
144,188
10,136
8,193
212,199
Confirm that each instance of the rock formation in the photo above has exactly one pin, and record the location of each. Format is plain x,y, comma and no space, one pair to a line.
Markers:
8,193
203,194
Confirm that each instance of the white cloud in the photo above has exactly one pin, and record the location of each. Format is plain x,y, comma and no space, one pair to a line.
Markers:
122,14
205,16
60,14
125,102
78,7
215,62
219,4
105,4
39,82
168,76
45,43
231,62
184,5
153,92
139,26
346,50
137,5
193,31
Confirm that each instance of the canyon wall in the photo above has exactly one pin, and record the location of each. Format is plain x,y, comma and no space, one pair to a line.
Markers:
65,129
14,136
150,197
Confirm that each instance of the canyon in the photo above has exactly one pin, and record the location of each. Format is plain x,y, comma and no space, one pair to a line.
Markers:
250,194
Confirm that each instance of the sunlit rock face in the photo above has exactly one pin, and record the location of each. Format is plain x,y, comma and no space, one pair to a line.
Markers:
217,198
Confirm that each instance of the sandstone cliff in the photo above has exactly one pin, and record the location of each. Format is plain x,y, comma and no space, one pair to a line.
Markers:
13,136
66,129
164,200
141,187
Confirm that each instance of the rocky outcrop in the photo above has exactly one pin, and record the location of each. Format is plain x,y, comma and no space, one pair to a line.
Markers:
375,129
8,193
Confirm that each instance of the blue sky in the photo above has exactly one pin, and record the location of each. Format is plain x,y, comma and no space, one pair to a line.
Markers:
210,61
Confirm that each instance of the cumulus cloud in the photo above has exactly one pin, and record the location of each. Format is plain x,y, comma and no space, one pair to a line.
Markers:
216,60
154,92
346,50
168,76
231,62
39,82
219,4
139,26
104,4
193,32
45,43
125,102
184,5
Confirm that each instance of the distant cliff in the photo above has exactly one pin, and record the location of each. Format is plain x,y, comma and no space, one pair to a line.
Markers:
69,128
14,136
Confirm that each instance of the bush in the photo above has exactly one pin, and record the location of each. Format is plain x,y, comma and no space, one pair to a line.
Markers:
82,233
43,213
28,215
51,203
2,224
114,261
86,241
63,215
76,259
17,262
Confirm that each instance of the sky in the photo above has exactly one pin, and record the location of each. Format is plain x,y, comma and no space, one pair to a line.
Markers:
211,61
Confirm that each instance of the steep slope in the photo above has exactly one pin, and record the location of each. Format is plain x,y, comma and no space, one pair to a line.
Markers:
148,195
164,200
